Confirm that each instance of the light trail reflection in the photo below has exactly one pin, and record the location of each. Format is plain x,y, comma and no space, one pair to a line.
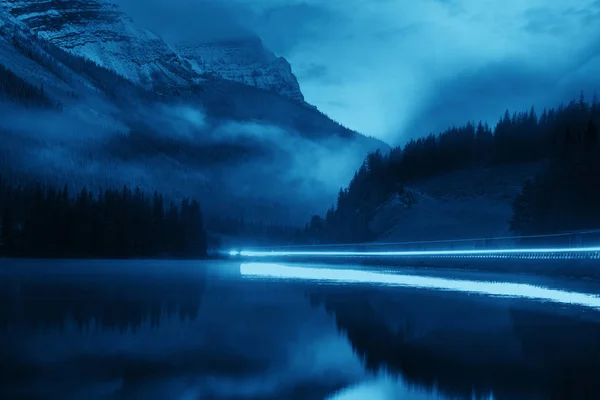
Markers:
503,289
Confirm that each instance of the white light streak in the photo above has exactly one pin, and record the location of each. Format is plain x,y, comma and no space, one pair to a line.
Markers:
555,253
503,289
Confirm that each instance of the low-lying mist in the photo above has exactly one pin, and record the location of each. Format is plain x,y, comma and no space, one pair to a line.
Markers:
251,168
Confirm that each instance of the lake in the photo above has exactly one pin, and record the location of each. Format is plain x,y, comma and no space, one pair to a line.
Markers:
232,330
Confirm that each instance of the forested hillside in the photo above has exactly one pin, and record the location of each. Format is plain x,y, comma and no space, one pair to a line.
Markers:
565,196
564,137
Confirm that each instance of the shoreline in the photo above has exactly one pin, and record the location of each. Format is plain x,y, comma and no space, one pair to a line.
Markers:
579,269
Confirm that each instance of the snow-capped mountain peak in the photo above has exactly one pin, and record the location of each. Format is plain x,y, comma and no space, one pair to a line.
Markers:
99,31
243,60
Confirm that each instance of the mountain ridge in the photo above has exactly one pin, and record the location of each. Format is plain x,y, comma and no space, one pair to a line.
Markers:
197,135
245,61
100,31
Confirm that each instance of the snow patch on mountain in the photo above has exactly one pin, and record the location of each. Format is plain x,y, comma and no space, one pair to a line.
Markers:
243,60
98,31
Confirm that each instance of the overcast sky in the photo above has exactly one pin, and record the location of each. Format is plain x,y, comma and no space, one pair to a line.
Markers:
402,68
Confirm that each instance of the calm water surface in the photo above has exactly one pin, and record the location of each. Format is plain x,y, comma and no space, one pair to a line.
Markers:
225,330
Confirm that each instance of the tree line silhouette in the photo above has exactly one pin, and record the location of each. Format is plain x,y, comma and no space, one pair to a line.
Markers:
562,197
45,222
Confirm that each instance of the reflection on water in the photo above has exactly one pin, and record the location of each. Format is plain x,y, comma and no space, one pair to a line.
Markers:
165,330
387,388
280,271
107,303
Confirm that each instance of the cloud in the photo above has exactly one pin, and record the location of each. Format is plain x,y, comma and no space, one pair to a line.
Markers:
305,21
377,66
187,19
483,94
315,170
314,71
180,151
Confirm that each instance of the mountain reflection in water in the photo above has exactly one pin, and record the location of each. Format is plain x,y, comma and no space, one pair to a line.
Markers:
189,330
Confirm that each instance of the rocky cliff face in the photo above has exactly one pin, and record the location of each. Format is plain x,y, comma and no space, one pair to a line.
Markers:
235,119
99,31
245,61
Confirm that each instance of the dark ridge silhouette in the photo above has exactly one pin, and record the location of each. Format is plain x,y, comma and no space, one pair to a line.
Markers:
44,222
558,135
558,359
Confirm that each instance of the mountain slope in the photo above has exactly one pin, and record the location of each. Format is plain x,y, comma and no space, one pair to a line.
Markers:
98,31
467,183
462,204
245,61
150,119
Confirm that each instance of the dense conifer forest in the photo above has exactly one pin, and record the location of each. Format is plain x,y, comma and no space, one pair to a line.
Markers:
563,197
44,222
